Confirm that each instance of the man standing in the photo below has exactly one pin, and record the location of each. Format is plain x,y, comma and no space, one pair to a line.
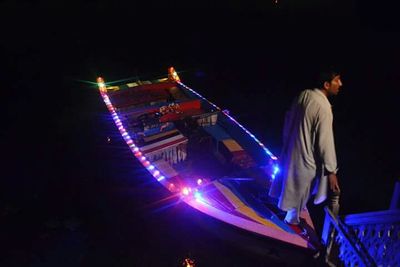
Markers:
308,159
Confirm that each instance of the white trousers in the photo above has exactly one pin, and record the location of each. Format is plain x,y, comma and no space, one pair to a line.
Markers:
293,216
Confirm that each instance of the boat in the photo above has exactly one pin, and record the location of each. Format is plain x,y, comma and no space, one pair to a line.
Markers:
202,155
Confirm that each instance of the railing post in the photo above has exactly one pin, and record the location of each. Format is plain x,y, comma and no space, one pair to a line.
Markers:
395,203
327,227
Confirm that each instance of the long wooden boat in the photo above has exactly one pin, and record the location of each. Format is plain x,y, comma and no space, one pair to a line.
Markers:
201,154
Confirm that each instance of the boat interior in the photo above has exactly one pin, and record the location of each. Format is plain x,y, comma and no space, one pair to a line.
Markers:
196,139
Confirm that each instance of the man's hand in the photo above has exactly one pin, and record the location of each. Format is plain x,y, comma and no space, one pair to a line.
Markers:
333,182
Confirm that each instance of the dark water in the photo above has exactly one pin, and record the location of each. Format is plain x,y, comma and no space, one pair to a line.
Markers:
69,198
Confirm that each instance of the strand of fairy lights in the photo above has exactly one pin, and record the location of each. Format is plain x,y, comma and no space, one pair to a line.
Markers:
235,121
186,191
135,149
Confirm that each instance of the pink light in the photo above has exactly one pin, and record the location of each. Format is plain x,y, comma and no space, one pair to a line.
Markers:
171,187
146,163
186,191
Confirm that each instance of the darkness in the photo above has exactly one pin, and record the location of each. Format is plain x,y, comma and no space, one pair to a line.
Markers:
69,198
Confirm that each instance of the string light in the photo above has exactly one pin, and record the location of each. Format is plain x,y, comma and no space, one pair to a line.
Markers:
135,150
266,150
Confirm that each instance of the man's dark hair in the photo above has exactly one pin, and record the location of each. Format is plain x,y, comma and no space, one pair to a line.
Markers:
326,75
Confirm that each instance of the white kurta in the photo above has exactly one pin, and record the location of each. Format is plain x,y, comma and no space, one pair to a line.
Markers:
308,149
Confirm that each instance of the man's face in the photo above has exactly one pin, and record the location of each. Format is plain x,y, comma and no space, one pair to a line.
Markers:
333,87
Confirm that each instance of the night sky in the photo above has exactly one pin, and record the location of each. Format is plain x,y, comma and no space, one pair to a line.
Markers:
69,198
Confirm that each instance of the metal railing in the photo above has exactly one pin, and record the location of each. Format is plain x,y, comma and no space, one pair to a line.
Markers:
365,239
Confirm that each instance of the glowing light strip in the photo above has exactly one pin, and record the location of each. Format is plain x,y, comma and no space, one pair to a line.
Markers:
135,149
232,119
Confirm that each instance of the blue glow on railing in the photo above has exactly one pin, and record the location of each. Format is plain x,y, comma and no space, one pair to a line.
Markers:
275,171
235,121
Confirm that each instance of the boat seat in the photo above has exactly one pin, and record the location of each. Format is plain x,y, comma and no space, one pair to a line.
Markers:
217,132
172,149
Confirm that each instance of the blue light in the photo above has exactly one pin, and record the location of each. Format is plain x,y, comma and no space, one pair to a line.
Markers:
276,170
151,167
198,196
